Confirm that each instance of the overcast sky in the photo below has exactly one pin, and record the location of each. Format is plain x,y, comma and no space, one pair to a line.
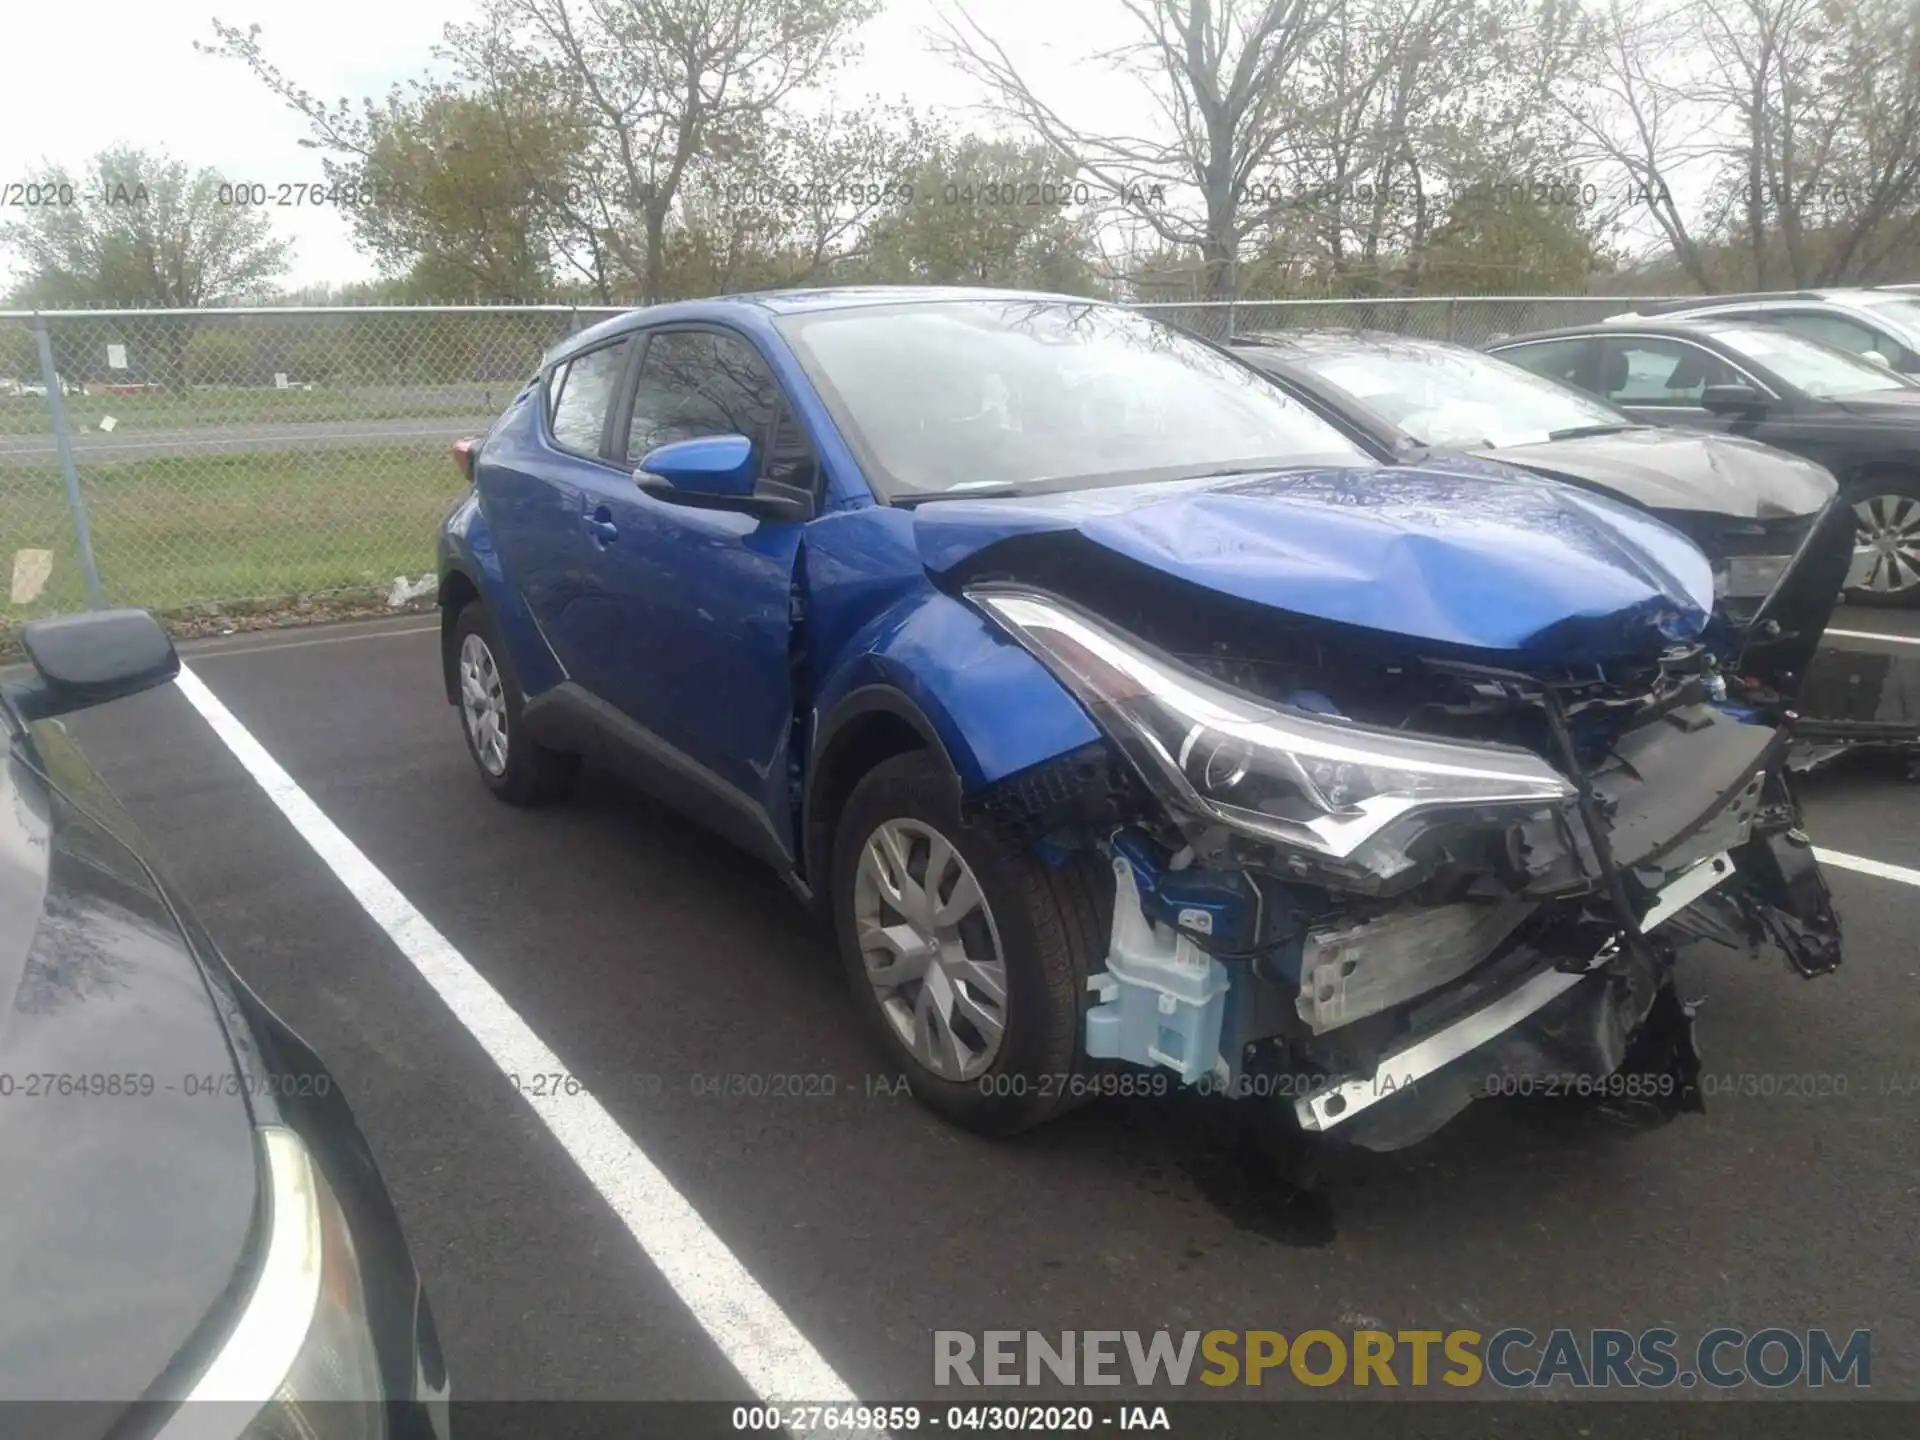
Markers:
126,71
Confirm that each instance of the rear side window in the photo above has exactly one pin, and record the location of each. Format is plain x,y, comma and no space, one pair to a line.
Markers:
1655,371
1834,330
585,397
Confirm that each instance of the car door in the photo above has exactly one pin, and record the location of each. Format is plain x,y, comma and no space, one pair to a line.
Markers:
692,627
1660,380
533,492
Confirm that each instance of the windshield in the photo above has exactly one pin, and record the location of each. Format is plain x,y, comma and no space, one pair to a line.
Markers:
1447,397
961,396
1818,370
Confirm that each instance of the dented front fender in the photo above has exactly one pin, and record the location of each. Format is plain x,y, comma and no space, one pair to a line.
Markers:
994,708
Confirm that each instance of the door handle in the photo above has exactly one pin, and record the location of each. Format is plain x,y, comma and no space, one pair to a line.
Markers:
601,527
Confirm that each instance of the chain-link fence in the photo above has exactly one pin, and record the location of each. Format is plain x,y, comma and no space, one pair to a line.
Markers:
299,459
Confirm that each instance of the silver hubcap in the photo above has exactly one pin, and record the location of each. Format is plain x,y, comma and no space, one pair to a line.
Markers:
1889,543
484,704
931,949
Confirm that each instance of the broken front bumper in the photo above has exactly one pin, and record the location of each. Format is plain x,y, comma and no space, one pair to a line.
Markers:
1383,1020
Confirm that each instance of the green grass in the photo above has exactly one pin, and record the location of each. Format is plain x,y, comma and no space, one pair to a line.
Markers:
27,414
173,533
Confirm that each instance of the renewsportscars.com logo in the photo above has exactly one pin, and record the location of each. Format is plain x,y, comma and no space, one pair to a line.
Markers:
1515,1359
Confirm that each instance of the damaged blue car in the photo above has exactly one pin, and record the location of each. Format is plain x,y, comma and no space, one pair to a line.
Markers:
1133,727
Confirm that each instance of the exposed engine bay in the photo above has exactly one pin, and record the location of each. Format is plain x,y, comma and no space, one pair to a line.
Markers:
1352,870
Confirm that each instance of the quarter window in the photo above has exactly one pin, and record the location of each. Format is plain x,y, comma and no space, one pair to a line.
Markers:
586,397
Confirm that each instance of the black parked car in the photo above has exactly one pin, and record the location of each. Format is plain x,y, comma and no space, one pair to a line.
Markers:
187,1208
1740,377
1779,540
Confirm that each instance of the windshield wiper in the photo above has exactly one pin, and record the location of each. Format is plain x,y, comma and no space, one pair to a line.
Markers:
1580,432
998,491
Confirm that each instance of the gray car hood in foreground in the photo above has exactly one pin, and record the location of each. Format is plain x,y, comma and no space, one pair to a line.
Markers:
1676,469
124,1217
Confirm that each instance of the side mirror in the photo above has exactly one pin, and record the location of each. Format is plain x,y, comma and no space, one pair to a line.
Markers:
718,472
1734,399
1876,357
89,659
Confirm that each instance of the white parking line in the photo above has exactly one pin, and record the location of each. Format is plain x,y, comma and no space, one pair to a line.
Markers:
751,1330
1871,635
1879,868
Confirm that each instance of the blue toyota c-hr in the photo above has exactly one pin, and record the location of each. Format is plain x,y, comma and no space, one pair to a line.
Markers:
1134,727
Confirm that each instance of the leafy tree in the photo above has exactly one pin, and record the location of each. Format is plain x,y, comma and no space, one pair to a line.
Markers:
219,357
1492,242
1404,104
583,120
19,353
444,180
144,232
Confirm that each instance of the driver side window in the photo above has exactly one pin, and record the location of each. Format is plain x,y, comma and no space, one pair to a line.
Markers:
699,382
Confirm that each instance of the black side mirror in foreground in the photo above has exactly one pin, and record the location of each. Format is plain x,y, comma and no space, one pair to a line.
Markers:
1735,399
89,659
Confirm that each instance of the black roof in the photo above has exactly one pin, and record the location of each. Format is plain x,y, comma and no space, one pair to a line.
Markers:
1680,328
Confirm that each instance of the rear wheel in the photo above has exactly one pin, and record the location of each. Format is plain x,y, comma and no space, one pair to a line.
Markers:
1887,541
492,710
969,956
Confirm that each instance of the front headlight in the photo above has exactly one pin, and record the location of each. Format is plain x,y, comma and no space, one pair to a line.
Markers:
300,1362
1340,791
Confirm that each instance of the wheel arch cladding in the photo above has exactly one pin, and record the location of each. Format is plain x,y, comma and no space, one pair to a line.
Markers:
466,551
873,728
457,590
935,672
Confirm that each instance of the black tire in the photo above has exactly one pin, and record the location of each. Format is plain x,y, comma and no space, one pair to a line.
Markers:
1053,926
533,774
1880,491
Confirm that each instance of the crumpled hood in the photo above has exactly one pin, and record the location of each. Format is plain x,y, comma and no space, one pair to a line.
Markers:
1454,551
1691,470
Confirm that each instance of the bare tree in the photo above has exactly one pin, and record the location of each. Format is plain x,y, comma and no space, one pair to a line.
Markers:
1220,76
1767,140
1640,123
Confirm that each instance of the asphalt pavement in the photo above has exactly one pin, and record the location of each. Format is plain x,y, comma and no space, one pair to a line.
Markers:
657,963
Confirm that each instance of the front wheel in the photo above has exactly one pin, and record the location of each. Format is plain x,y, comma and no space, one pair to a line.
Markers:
1886,568
969,956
